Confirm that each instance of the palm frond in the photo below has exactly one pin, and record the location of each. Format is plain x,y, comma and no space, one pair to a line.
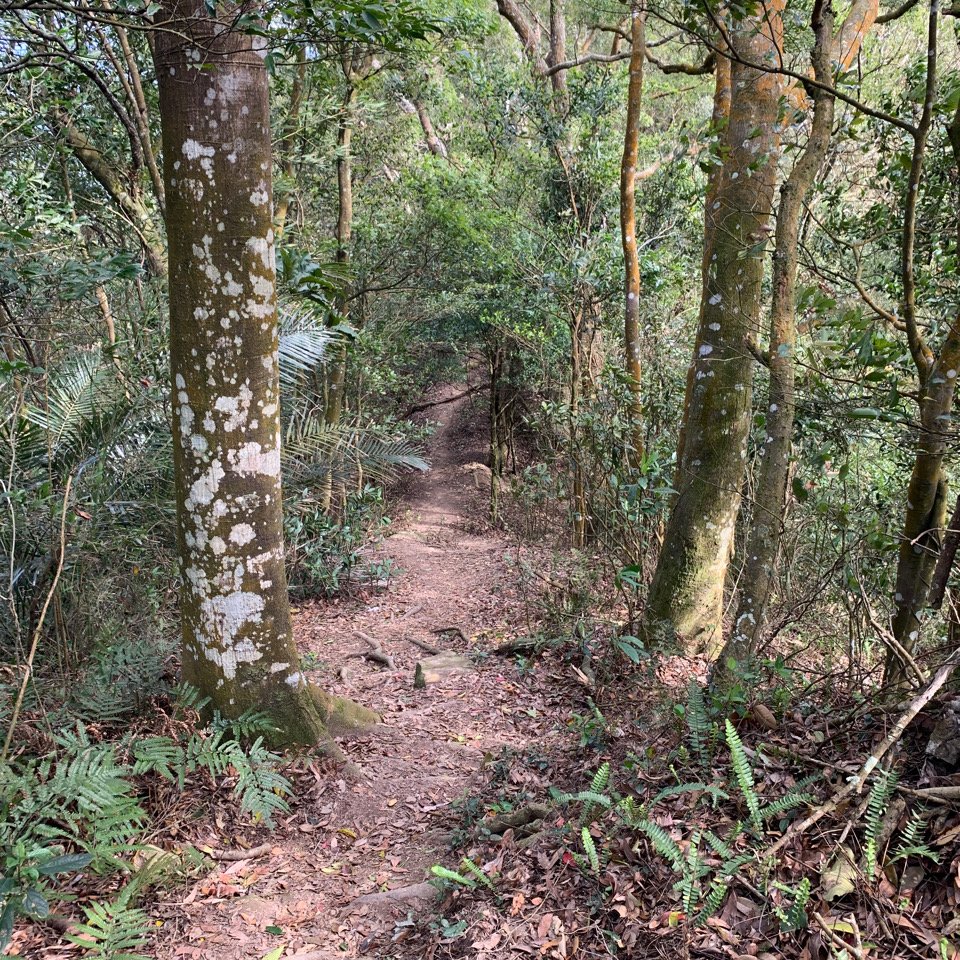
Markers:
304,341
314,450
83,397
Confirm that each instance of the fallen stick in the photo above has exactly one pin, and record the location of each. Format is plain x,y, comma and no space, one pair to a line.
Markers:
420,407
376,653
427,647
234,855
837,941
855,783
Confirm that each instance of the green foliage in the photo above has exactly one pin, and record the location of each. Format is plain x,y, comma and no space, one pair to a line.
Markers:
793,917
743,772
84,806
701,730
884,786
112,931
469,875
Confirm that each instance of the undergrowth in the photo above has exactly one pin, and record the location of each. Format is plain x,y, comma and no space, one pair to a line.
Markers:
86,806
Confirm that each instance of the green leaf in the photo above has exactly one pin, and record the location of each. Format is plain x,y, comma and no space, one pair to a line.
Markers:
35,904
68,863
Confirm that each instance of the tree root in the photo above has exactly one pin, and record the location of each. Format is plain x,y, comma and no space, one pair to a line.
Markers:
375,652
234,855
340,715
416,891
426,647
526,820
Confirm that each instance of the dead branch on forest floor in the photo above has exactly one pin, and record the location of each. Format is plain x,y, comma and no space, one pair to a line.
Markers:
426,647
855,783
375,653
455,630
236,855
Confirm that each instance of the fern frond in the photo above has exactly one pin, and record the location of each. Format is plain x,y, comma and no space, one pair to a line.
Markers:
113,931
699,728
591,849
663,843
877,802
470,866
744,774
713,901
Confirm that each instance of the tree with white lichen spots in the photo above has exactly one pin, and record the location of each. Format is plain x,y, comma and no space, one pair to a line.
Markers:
238,646
685,601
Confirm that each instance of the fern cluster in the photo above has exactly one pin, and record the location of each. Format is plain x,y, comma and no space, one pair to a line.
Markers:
83,807
706,863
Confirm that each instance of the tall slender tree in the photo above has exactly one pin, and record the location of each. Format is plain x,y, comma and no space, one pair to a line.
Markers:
238,646
685,601
831,55
628,229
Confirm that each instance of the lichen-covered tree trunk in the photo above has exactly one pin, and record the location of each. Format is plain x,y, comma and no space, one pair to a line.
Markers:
927,493
628,233
337,367
937,374
685,602
238,646
763,540
764,536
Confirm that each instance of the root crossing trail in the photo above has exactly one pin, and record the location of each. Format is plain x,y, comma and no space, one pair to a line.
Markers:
351,862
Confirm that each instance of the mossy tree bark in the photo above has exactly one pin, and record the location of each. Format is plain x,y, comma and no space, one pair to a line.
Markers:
937,373
628,232
830,55
238,646
685,602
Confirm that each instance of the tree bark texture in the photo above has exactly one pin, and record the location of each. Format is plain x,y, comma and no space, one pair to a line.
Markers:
628,233
685,602
238,646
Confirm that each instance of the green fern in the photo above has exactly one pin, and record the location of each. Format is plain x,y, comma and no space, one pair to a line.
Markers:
743,773
712,902
591,849
794,917
877,802
911,842
113,931
663,843
452,876
467,864
701,732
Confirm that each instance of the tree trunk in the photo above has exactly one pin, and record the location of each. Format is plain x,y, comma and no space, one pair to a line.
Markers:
765,534
628,233
558,51
686,596
337,368
238,647
937,373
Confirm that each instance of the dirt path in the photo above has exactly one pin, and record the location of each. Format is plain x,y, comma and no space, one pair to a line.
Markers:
384,830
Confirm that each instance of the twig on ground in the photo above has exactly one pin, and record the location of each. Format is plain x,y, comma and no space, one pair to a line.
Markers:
420,407
376,653
511,647
838,942
855,783
235,855
427,647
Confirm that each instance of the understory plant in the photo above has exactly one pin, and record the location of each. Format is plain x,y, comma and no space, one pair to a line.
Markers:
84,808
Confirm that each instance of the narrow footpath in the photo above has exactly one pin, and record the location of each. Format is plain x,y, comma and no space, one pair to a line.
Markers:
348,869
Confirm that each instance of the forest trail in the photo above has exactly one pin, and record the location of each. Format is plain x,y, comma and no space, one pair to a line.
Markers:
384,830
